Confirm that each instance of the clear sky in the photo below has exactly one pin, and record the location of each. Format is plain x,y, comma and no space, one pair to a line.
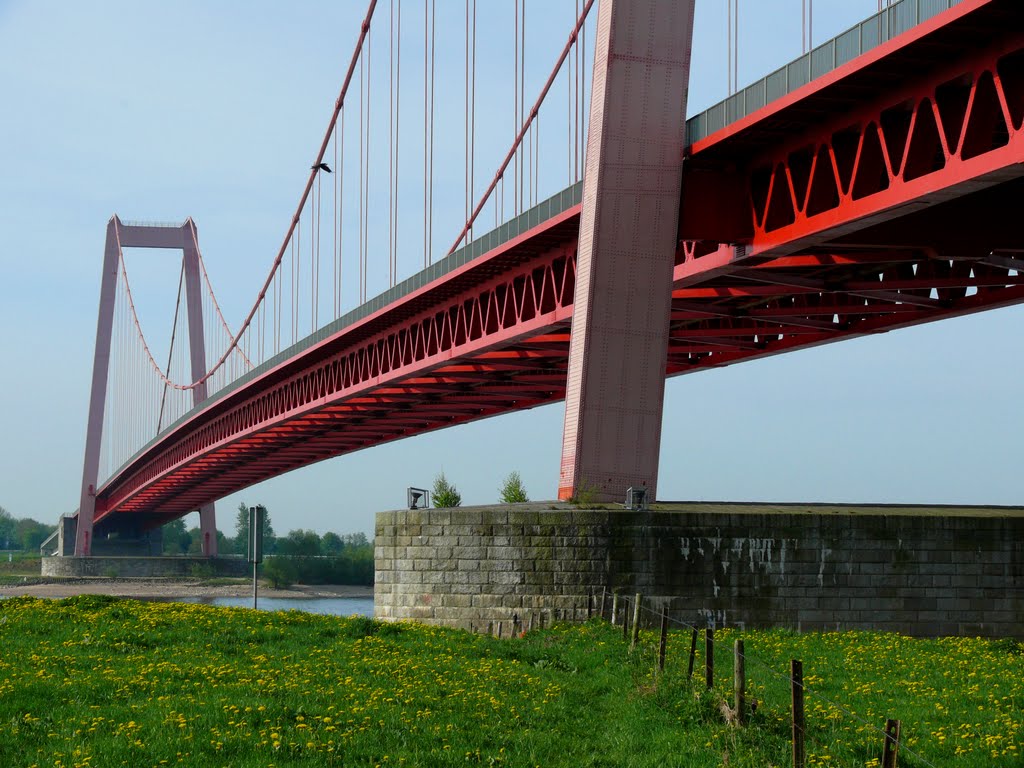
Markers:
160,111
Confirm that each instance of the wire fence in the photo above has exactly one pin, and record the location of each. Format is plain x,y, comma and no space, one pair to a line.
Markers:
768,693
775,686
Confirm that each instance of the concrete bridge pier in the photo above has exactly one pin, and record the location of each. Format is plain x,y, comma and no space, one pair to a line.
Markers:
108,541
926,570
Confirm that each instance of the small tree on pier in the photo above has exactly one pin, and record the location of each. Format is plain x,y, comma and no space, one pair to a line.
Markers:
445,494
513,491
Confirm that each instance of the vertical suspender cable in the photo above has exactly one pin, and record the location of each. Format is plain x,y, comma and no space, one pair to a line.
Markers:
515,113
583,111
391,142
426,29
465,151
472,124
433,86
366,210
576,135
291,282
728,48
319,223
341,216
568,109
398,124
337,202
536,162
314,251
312,247
810,24
522,101
735,47
803,24
362,166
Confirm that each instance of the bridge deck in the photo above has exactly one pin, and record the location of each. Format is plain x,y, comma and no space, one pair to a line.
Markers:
846,202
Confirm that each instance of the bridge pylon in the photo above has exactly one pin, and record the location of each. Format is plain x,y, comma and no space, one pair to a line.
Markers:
627,243
119,236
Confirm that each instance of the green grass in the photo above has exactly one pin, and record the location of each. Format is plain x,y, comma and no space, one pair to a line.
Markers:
106,682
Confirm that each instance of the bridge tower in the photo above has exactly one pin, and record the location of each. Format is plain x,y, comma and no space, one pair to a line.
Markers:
119,235
627,243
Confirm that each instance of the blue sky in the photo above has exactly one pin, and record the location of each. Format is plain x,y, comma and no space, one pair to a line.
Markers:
161,111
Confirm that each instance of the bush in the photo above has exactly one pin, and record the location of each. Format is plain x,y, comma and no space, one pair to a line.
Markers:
585,496
513,491
281,572
445,494
202,571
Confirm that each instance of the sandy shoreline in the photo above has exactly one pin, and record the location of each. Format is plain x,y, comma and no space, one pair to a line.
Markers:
175,588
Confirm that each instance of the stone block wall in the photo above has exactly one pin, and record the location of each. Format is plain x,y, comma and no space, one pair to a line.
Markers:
918,570
144,567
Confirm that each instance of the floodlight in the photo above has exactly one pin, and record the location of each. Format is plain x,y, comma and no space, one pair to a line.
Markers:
636,499
415,496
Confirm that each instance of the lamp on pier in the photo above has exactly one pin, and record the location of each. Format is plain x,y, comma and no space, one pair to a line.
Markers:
415,496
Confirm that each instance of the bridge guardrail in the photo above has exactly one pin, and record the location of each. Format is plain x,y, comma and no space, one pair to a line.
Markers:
870,33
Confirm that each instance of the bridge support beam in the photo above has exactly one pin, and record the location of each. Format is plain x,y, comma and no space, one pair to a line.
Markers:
98,392
627,242
197,352
121,236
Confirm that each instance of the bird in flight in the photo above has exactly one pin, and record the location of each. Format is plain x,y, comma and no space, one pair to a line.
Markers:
321,167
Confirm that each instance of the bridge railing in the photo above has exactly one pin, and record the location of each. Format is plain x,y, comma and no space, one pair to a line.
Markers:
870,33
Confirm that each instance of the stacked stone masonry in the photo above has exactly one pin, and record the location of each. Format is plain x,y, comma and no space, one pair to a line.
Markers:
919,570
143,567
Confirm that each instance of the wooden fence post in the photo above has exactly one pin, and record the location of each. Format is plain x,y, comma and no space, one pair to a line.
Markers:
892,743
590,605
625,623
739,682
600,611
693,653
709,657
636,621
499,630
664,640
796,677
615,607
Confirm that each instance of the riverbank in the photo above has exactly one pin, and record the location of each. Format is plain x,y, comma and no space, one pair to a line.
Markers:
175,588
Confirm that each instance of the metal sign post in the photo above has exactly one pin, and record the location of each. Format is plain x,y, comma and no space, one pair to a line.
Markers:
254,548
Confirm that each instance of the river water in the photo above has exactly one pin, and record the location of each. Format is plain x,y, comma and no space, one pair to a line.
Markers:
332,606
329,606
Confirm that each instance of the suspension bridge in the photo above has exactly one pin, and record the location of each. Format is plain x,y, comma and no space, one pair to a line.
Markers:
865,186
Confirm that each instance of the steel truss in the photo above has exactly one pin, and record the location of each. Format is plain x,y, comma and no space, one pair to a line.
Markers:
499,343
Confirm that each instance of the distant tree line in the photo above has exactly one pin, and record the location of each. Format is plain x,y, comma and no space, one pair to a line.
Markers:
301,556
21,534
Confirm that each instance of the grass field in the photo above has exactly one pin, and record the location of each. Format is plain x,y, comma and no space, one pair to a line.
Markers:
93,681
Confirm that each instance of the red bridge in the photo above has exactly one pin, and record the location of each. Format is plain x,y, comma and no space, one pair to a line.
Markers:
868,186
